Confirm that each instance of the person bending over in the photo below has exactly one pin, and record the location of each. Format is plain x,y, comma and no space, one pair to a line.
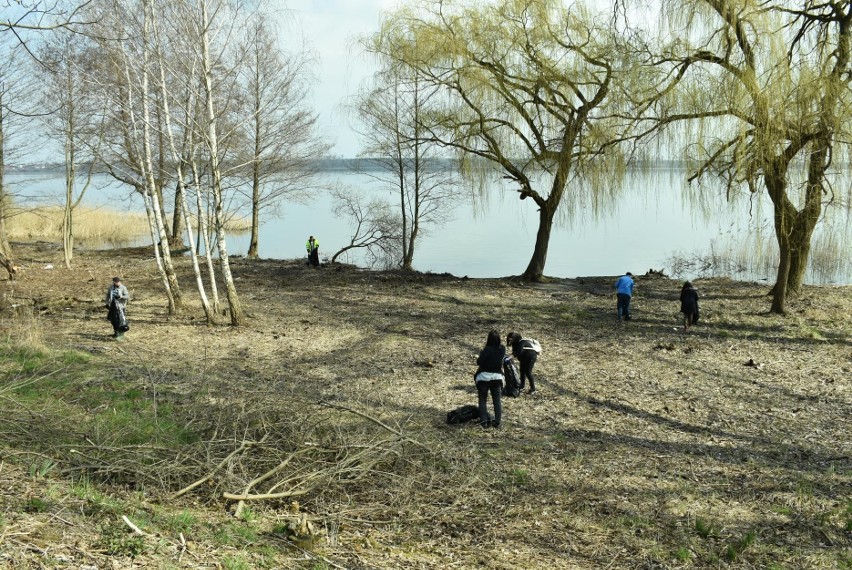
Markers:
524,350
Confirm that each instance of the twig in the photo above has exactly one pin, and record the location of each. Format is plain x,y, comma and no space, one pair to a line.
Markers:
285,494
132,526
375,421
245,445
261,479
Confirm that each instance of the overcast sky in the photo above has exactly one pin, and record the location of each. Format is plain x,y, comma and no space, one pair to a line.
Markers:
331,29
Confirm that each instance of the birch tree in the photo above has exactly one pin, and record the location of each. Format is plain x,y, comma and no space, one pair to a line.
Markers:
205,27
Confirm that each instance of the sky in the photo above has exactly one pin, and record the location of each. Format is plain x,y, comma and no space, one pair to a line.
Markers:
331,29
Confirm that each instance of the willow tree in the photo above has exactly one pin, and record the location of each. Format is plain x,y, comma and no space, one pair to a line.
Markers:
764,87
530,87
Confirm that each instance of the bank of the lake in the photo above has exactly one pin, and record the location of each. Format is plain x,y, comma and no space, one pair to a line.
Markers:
644,446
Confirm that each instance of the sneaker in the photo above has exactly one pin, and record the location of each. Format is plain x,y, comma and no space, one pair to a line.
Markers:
532,391
495,426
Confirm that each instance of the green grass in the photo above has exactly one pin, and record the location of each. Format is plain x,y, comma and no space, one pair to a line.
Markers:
705,529
235,535
35,505
519,477
235,562
683,554
733,552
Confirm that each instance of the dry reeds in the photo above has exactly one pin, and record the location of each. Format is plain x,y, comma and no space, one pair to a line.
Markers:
90,224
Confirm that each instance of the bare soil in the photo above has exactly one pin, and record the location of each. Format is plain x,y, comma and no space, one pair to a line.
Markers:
644,447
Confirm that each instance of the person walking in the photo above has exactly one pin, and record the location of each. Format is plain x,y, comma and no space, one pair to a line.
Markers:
689,305
489,379
116,302
526,351
624,291
312,245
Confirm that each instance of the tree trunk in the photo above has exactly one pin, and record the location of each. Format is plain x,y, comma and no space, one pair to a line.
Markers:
535,269
178,216
255,208
237,317
175,300
5,249
806,220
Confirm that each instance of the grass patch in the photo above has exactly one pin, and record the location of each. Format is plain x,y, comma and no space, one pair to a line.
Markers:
705,529
733,552
235,562
118,540
234,535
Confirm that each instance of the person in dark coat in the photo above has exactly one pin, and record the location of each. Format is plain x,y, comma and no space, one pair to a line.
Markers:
523,349
689,305
489,378
116,302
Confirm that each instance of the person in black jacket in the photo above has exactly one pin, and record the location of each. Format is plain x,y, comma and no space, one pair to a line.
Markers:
689,305
523,350
489,378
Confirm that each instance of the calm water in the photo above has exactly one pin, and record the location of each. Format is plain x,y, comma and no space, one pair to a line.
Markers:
644,229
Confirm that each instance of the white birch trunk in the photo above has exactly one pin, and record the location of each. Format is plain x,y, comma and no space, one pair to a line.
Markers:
145,192
149,170
205,303
236,310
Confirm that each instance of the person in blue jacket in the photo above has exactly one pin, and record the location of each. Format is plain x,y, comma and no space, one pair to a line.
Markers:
624,291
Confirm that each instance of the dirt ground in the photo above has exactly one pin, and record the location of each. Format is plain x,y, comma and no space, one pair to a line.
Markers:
644,447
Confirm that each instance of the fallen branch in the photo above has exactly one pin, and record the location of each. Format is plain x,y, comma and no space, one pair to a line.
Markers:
245,497
245,445
375,421
132,526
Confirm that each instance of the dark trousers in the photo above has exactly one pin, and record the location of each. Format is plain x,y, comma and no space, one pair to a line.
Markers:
526,367
624,306
482,390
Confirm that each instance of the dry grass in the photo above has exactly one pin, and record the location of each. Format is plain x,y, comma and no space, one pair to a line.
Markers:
644,448
94,226
91,225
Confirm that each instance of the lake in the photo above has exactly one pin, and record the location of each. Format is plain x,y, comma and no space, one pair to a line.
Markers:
654,225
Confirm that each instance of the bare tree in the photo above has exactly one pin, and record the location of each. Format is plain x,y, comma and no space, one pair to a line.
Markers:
281,133
74,118
390,115
376,228
26,17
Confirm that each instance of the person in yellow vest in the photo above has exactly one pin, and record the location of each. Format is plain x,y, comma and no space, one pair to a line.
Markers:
312,245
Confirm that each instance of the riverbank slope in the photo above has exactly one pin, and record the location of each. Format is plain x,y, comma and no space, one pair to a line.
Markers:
644,447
